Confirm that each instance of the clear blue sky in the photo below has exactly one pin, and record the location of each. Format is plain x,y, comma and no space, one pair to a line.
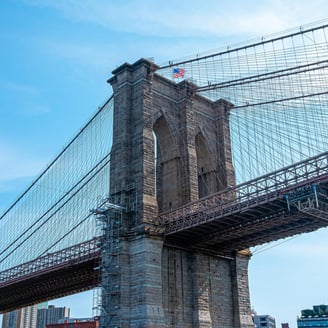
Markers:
55,58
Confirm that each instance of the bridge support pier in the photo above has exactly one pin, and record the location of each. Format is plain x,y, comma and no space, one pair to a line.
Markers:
163,285
141,284
201,290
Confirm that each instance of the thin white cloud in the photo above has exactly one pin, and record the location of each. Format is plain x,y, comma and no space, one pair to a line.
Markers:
312,250
91,54
33,105
36,110
311,245
16,88
16,163
183,18
178,26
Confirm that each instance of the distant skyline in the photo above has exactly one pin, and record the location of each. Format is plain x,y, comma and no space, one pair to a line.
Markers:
56,57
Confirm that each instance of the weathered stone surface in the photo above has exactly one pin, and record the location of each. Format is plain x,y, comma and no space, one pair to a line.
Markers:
163,286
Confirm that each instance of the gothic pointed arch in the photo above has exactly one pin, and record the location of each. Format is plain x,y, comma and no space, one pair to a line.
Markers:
207,173
168,166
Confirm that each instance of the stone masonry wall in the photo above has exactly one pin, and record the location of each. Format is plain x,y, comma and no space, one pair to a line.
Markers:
162,286
188,115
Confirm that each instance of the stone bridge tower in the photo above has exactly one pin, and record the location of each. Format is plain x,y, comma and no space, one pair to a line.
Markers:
171,147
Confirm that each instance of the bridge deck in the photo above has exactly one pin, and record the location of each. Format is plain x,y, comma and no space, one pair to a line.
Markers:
59,274
284,203
233,230
253,213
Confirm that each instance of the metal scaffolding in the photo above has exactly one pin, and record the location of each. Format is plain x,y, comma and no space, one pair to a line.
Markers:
109,218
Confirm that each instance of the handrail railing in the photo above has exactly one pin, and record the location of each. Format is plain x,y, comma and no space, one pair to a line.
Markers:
75,254
309,170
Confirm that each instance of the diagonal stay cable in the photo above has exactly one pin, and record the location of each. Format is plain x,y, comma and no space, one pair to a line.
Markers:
262,42
265,76
283,99
55,204
56,158
68,232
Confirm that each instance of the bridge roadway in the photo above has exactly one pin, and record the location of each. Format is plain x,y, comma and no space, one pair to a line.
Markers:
54,275
284,203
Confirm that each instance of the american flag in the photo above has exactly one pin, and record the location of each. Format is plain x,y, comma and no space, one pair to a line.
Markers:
178,72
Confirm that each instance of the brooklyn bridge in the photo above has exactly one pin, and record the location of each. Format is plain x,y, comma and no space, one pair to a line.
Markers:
159,197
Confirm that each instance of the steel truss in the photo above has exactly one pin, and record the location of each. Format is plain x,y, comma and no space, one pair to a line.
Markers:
255,212
57,274
75,254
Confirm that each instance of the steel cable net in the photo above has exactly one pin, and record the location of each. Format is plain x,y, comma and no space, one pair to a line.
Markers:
54,212
278,86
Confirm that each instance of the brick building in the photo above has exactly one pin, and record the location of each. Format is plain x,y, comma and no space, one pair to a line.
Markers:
75,323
